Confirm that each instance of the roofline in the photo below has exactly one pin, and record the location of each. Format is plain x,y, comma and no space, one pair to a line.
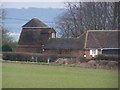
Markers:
100,30
62,48
38,27
102,48
85,43
29,46
82,34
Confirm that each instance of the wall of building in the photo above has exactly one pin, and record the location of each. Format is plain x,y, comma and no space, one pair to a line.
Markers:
88,56
29,49
73,52
87,53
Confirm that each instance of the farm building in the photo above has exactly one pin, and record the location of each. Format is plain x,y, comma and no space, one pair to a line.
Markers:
66,46
101,42
34,35
37,37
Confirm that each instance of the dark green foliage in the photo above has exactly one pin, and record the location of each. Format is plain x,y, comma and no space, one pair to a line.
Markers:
52,58
7,41
82,59
34,57
6,48
108,57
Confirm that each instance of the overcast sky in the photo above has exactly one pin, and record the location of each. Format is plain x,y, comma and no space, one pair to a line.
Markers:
42,3
33,3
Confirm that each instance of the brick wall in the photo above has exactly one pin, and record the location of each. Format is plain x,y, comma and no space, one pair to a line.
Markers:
29,49
87,53
74,52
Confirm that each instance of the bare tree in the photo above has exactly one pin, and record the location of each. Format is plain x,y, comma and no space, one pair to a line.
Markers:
119,15
82,16
115,14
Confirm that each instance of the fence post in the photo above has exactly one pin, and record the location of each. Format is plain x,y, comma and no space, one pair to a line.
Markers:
48,60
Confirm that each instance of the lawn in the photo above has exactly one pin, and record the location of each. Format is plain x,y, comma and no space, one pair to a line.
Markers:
16,75
0,75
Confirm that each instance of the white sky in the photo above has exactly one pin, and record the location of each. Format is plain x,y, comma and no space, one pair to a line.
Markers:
33,4
37,0
57,0
43,3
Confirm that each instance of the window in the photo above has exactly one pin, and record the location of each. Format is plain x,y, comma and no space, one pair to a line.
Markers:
93,52
53,35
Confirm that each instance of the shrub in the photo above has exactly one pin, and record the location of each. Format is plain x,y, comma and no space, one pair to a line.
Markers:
17,56
82,59
6,48
112,64
108,57
92,64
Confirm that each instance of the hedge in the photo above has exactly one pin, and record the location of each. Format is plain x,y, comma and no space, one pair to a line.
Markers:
108,57
6,48
19,56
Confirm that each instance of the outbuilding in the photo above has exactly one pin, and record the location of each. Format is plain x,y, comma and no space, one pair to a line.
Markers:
101,42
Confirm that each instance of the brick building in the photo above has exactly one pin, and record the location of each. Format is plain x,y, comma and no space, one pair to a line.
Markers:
66,46
37,37
101,42
34,35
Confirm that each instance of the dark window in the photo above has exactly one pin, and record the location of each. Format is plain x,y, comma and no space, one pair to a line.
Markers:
111,51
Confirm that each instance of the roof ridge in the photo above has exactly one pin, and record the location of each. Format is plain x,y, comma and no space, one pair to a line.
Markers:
101,30
85,43
34,22
82,34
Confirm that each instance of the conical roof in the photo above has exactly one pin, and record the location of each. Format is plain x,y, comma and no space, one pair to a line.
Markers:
35,23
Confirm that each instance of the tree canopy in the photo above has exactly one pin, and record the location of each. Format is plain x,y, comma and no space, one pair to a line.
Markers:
82,16
6,41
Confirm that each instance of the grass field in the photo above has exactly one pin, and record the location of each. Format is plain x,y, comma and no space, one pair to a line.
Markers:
16,75
0,75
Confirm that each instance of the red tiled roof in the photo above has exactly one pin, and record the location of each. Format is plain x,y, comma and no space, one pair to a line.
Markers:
102,39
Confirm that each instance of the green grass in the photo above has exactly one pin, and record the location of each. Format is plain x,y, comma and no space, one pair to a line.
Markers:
16,75
0,75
